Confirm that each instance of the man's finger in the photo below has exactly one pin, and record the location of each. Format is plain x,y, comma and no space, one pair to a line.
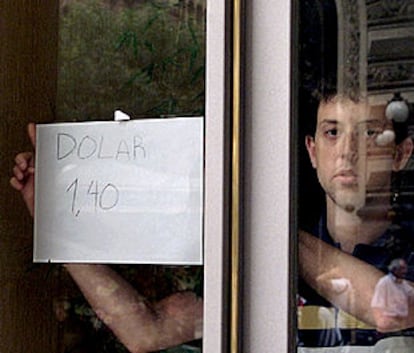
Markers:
16,184
18,173
31,130
23,159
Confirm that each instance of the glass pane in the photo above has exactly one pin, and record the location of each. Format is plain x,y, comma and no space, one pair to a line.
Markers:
145,58
356,219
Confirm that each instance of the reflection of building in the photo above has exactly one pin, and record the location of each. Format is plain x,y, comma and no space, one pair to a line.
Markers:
391,46
375,44
384,34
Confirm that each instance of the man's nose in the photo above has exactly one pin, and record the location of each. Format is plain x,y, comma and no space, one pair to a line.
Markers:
350,146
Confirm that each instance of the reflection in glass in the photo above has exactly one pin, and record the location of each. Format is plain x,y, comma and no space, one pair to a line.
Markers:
147,59
143,57
355,176
392,298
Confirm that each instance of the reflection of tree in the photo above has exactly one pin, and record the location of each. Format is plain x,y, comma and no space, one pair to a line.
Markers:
145,58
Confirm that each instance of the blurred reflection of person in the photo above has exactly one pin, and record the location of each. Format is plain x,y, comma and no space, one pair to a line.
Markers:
356,149
392,297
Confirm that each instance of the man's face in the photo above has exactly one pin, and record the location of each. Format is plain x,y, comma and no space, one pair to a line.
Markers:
351,164
401,271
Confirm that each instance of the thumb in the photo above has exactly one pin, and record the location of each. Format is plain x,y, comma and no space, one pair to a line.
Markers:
31,131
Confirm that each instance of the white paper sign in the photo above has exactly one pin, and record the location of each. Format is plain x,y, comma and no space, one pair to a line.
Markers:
119,192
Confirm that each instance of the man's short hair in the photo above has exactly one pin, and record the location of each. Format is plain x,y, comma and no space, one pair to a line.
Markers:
395,264
325,90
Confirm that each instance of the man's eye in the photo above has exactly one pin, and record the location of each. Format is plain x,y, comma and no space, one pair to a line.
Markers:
372,132
332,132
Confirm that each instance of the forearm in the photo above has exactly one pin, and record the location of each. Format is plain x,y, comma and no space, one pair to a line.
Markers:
320,263
138,325
113,300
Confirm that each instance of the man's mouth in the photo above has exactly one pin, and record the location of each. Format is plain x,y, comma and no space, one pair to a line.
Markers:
347,177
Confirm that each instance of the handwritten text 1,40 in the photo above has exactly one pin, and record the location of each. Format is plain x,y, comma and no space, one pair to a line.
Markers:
96,195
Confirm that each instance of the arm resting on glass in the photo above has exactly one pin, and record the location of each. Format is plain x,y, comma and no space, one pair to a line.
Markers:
140,326
321,264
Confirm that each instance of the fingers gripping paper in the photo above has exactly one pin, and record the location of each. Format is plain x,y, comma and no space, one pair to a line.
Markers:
119,192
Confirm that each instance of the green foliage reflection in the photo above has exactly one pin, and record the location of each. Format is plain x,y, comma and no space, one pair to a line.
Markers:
146,59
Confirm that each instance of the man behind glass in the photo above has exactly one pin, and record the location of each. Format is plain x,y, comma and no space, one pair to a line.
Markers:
356,151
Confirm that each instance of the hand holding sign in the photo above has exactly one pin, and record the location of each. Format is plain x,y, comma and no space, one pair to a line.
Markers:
23,172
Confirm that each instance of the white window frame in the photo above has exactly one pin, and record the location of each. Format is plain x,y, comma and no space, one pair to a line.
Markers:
267,177
216,323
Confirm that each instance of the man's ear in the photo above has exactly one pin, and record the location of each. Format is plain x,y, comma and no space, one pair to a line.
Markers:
310,146
402,154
